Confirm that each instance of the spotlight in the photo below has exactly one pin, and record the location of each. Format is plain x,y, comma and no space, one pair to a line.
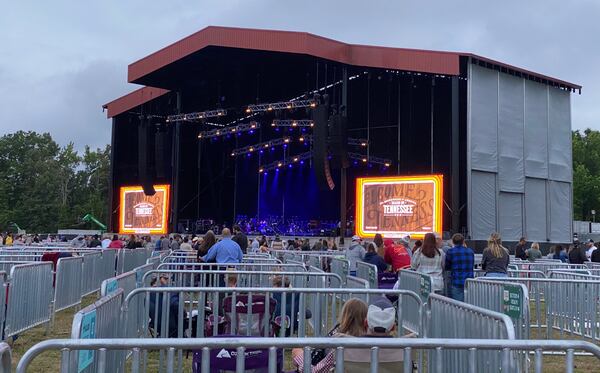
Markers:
269,109
261,170
363,144
364,160
253,125
272,124
387,165
233,154
296,159
294,124
266,145
301,162
248,110
290,166
251,149
233,129
279,164
301,139
286,140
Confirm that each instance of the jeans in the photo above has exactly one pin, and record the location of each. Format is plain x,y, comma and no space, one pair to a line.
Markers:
496,274
457,293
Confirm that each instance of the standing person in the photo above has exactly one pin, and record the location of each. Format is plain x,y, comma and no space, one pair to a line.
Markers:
520,249
459,261
208,241
133,242
255,246
560,253
378,241
590,249
417,246
430,260
596,256
277,244
8,241
175,243
577,254
165,242
185,245
240,238
105,242
534,253
354,254
396,255
224,251
116,243
95,242
372,257
495,257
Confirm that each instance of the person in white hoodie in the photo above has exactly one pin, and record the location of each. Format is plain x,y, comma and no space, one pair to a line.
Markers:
355,253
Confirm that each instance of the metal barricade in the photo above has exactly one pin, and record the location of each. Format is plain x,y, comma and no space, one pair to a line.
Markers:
509,298
241,266
20,257
132,259
155,261
30,297
91,271
5,358
102,319
7,266
575,274
448,318
3,289
341,267
67,290
324,304
126,281
236,347
367,272
249,279
570,307
107,265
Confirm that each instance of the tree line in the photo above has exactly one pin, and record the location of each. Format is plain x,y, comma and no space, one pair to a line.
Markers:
45,186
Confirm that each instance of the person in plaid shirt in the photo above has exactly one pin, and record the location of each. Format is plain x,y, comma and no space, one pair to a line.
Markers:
459,261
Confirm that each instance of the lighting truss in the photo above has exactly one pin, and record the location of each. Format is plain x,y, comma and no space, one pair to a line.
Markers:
197,115
245,127
266,145
292,123
358,142
370,159
281,105
290,161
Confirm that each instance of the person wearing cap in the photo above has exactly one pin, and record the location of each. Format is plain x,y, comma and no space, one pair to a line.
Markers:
590,249
380,323
355,253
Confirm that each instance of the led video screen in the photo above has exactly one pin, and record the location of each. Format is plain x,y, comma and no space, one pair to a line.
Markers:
140,213
398,206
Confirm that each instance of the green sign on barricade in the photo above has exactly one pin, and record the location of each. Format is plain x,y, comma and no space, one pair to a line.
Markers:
88,331
512,301
425,288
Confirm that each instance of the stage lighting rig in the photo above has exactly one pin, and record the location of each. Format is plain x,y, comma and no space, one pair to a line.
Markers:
196,116
292,123
246,127
290,161
281,105
370,159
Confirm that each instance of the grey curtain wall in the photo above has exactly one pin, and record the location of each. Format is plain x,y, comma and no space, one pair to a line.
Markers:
519,157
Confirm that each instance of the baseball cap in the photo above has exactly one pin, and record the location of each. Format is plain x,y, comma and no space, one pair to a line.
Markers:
590,241
355,238
381,315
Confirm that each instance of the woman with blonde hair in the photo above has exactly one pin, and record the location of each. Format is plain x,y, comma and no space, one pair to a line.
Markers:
351,324
534,252
495,257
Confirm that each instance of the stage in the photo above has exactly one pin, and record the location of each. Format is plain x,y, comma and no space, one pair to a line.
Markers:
274,129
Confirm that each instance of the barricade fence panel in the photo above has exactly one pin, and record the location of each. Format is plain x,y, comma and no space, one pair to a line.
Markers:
569,306
5,357
91,271
198,312
107,266
30,297
67,289
232,348
240,266
367,272
208,278
7,266
341,267
3,289
448,318
102,319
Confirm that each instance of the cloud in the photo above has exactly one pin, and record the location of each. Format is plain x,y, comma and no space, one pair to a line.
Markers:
61,63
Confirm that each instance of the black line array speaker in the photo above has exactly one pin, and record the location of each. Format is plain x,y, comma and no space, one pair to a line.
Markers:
338,141
145,175
320,117
160,164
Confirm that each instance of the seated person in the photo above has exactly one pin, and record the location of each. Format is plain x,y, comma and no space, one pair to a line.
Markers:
290,314
156,309
380,323
351,324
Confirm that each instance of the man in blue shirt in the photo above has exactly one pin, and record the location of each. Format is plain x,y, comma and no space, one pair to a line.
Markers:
224,251
459,261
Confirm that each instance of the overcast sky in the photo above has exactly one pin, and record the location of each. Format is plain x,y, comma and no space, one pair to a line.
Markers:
61,60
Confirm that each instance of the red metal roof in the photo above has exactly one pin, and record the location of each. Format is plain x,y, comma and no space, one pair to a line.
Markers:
131,100
302,43
425,61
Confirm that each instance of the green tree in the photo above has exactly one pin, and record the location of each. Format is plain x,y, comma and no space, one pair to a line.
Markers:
586,173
